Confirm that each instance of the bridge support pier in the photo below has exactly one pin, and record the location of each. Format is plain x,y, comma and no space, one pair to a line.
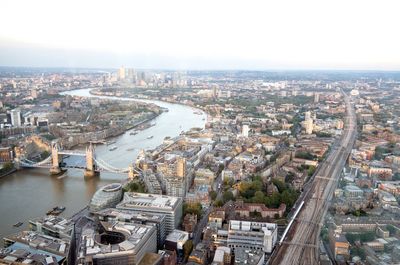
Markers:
90,167
90,173
55,165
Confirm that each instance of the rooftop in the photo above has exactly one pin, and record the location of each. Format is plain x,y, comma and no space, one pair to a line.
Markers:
177,235
121,214
150,259
149,200
21,253
116,237
38,241
248,257
55,223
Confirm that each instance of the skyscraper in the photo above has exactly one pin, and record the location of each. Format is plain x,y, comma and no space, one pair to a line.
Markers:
15,118
245,130
121,73
316,97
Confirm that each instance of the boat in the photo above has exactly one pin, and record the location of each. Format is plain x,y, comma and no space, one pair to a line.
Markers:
111,142
130,149
56,210
113,148
133,133
149,137
18,224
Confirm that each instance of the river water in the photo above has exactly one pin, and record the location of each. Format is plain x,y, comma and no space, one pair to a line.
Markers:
30,193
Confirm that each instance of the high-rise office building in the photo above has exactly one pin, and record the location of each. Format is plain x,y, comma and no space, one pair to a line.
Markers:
245,130
316,97
308,123
121,73
16,118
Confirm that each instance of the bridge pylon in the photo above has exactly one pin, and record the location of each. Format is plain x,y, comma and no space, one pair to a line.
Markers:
55,164
90,164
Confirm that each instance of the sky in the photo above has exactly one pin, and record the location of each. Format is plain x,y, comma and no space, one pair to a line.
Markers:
206,34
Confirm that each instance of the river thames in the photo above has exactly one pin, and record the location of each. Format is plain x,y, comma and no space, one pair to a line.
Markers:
30,193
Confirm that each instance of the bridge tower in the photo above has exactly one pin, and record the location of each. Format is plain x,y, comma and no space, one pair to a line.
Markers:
90,166
55,166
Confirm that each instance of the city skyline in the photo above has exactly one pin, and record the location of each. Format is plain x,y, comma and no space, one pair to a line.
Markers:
291,35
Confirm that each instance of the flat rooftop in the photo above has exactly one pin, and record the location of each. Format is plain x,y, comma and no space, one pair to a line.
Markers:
177,235
21,253
55,223
121,214
248,256
132,199
42,242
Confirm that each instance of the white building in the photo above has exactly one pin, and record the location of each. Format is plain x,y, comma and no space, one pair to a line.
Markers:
16,118
252,235
245,130
170,206
222,256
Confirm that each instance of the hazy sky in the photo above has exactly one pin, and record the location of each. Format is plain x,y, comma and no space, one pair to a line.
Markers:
217,34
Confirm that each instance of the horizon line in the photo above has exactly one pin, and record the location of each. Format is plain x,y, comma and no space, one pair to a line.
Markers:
288,69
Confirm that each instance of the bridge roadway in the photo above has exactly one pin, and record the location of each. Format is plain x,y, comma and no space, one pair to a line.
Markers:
300,246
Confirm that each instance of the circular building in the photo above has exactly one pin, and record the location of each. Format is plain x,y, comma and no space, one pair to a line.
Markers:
106,197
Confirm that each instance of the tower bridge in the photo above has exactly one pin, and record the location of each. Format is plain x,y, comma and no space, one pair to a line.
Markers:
93,165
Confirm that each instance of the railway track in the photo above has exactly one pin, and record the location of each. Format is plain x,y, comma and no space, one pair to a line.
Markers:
302,241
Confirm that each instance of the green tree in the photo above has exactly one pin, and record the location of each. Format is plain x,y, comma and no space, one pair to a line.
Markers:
135,186
7,167
391,229
218,203
213,195
187,249
259,197
192,208
279,184
273,201
227,196
311,170
257,185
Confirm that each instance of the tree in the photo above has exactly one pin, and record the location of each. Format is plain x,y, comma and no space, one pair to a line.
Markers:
289,197
311,170
273,201
213,195
227,196
192,208
305,155
259,197
6,167
279,184
391,229
218,203
257,185
187,249
135,186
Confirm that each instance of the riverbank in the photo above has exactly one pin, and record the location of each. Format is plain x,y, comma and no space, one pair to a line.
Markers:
6,173
95,92
121,117
35,191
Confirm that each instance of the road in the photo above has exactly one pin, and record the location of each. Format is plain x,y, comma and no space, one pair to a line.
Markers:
301,244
